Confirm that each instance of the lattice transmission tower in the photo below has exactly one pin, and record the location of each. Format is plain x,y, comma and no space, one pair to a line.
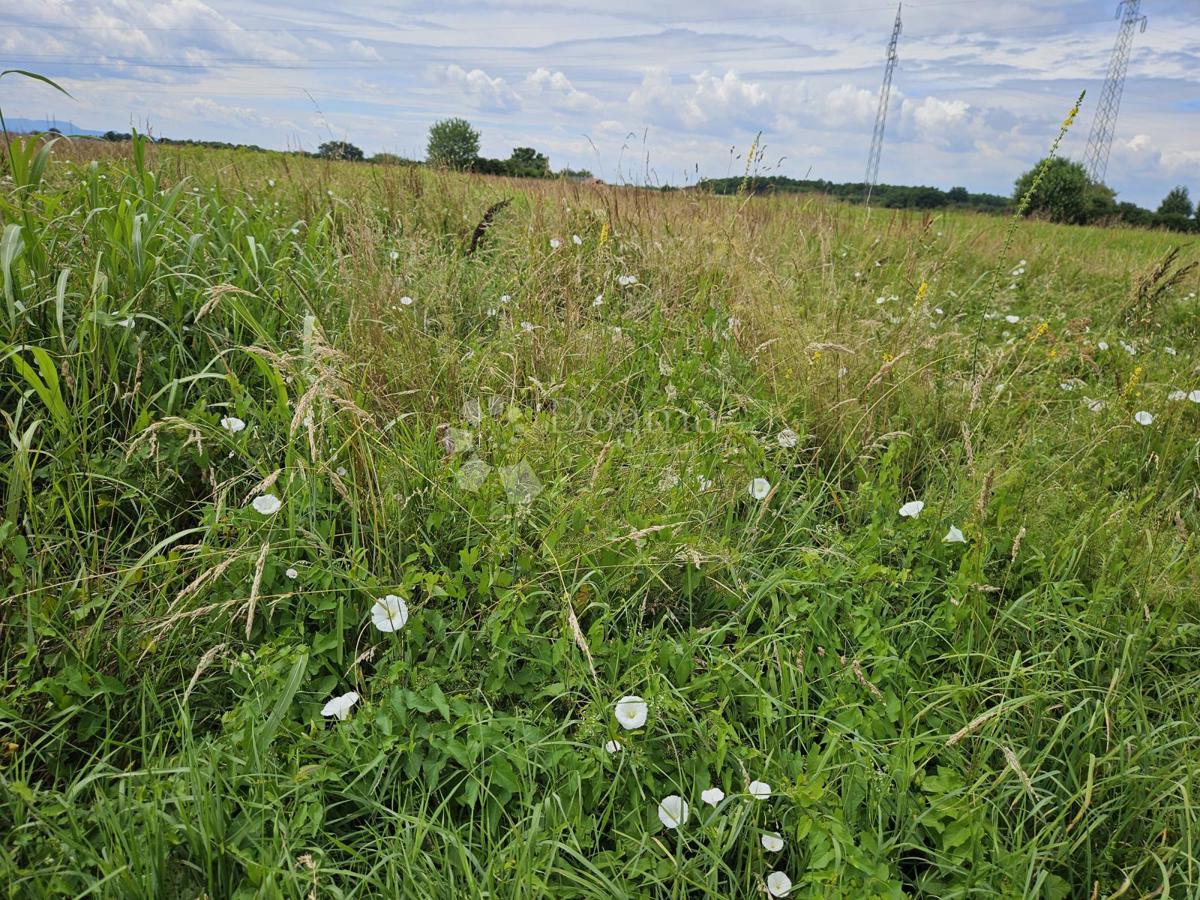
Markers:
1099,143
885,96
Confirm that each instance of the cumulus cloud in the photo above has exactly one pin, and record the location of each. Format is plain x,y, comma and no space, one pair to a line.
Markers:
359,50
708,102
480,89
558,90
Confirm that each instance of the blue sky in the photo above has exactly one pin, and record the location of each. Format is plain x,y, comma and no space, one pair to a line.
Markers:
665,91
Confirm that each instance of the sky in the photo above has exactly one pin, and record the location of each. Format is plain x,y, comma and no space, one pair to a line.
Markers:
651,91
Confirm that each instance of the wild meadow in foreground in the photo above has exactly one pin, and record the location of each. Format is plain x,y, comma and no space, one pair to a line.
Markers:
373,531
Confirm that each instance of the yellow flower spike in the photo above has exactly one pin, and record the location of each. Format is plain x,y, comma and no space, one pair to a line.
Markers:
603,234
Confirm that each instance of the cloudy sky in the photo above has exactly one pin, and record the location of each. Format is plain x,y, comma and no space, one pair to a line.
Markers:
648,90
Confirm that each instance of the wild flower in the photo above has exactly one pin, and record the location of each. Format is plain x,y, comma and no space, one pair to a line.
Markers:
759,790
504,298
673,811
389,613
1177,395
555,243
778,884
772,841
712,796
1194,396
266,504
339,707
954,536
1170,351
527,327
604,234
703,483
1143,418
406,301
1094,405
626,280
232,424
787,438
613,746
1012,320
292,573
1102,345
341,471
912,509
759,488
631,712
577,240
599,301
394,255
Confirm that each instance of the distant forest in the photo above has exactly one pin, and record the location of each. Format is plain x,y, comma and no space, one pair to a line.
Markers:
892,196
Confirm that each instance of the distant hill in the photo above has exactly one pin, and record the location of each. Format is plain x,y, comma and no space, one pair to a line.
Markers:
67,127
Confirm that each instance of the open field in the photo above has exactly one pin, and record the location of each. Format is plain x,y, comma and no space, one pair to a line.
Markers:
551,454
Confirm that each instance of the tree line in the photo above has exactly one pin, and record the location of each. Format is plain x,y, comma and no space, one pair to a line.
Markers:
892,196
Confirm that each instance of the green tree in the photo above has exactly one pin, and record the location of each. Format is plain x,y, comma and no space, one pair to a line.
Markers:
339,150
1064,193
452,143
1177,203
526,162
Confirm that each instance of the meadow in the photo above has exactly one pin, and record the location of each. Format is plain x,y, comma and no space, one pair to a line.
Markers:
346,508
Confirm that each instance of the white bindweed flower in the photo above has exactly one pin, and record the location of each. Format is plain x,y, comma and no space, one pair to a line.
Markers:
292,573
267,504
912,509
703,483
394,255
778,884
577,240
626,280
599,301
631,712
1143,418
760,790
787,438
759,488
712,796
232,424
1177,395
1012,320
1102,345
772,841
270,182
613,746
339,707
406,301
389,613
673,811
1170,351
954,536
1194,396
555,243
527,327
341,471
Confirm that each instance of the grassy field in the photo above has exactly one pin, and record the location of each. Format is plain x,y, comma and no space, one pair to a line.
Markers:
545,436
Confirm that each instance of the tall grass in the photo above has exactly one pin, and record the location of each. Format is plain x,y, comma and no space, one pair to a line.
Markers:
1014,715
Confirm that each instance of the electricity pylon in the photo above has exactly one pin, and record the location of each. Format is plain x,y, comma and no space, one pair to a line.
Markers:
885,94
1100,139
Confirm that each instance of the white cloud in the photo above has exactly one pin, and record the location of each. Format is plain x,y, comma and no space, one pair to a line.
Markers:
558,90
480,89
708,103
359,50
